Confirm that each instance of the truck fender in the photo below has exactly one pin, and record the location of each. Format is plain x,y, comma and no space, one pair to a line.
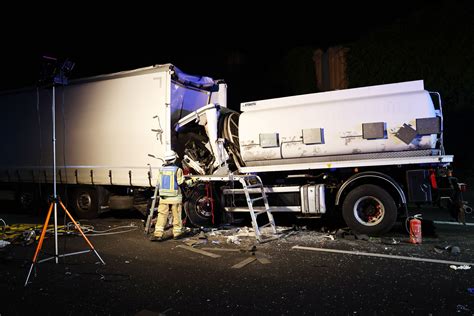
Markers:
371,174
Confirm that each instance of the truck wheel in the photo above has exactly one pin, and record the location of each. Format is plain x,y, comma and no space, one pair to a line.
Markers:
369,209
85,202
199,206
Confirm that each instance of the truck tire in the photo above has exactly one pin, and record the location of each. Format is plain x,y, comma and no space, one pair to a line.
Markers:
85,202
369,209
199,206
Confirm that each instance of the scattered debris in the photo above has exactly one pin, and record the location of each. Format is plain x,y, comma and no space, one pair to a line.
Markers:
202,252
245,232
441,249
252,249
221,249
462,267
347,233
455,250
294,232
233,239
244,262
194,242
190,242
390,241
262,259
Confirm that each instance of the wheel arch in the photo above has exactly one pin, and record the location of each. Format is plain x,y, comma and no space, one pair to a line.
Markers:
372,177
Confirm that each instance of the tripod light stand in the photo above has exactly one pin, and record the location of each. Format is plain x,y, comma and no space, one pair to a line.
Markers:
59,78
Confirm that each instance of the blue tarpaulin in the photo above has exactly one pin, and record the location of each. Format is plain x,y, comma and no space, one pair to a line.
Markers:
197,81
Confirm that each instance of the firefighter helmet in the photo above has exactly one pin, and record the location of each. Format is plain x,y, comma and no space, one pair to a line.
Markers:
170,156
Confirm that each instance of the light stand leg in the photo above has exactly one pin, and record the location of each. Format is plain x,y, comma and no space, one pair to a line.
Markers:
40,242
80,230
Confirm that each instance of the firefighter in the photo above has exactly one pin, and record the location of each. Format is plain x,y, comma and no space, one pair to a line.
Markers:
171,177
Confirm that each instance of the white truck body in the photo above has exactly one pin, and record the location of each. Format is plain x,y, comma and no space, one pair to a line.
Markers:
105,128
339,115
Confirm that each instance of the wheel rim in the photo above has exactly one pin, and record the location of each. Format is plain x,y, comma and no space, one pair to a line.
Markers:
203,207
84,201
369,211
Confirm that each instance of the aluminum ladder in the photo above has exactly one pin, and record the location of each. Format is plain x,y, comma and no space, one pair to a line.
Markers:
154,199
250,184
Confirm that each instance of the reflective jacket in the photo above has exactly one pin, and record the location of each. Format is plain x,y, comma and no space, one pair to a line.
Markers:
171,177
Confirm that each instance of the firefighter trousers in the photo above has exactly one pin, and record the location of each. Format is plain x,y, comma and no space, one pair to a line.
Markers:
163,211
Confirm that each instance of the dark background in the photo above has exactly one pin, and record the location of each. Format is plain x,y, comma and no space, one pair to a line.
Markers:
262,51
252,48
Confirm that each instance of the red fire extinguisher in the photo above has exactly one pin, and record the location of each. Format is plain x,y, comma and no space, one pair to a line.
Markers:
415,229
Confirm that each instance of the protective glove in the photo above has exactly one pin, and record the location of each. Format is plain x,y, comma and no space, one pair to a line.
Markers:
191,182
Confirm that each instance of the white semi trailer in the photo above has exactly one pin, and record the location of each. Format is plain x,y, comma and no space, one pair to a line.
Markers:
108,128
367,153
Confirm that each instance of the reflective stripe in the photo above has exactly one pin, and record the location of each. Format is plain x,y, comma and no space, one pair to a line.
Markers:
168,181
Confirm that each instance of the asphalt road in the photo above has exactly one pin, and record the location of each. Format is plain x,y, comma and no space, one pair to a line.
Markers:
151,278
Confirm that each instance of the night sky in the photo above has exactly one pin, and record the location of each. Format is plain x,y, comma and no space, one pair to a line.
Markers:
240,43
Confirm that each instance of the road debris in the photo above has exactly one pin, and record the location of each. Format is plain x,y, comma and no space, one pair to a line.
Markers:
262,259
202,235
233,239
453,250
390,241
462,267
221,249
244,262
202,252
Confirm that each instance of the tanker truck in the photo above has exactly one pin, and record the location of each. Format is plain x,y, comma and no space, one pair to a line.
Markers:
367,153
